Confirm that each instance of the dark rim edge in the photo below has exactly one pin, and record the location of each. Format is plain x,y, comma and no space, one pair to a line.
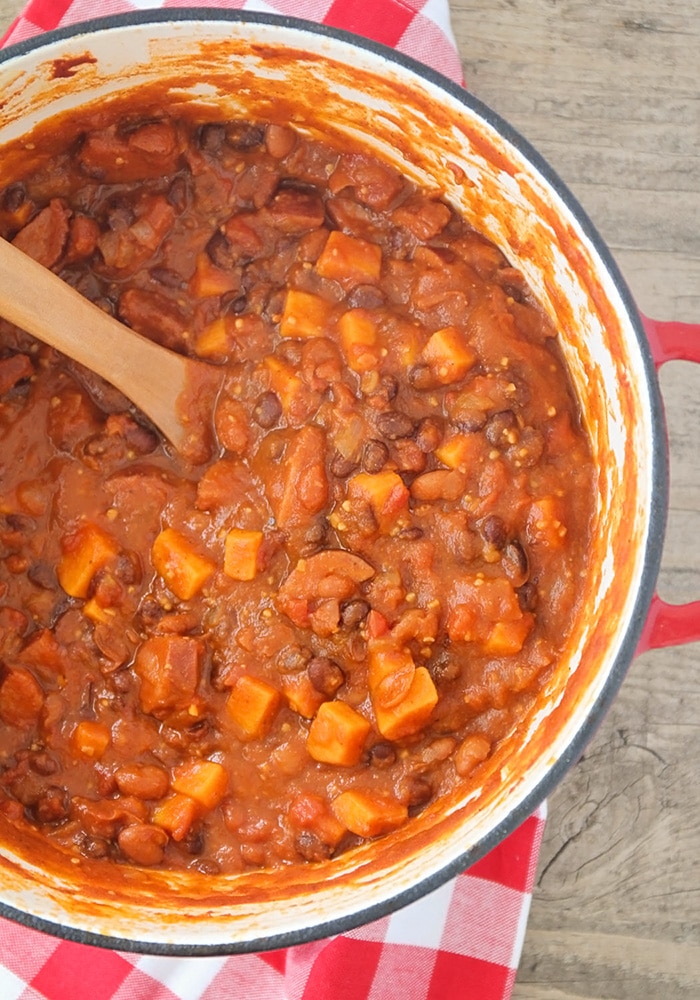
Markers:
657,514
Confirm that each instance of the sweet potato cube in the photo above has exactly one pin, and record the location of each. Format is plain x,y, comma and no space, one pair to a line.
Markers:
209,280
460,451
448,355
358,337
93,610
311,812
85,552
366,815
385,492
169,668
252,705
337,734
544,524
214,339
408,716
205,781
177,561
302,696
285,382
176,815
508,637
350,260
305,315
241,550
91,738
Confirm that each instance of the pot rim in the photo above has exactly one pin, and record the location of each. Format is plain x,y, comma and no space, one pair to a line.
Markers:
653,543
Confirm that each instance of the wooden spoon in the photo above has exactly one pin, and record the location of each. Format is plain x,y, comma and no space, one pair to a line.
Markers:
176,393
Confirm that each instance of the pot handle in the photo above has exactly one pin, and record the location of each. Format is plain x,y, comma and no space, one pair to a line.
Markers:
671,624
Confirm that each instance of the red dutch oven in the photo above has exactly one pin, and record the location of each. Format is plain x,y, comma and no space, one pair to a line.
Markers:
259,66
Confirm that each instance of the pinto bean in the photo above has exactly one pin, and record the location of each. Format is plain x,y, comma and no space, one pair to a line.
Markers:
441,484
143,843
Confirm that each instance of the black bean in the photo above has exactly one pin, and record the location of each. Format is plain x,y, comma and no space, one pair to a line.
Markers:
502,428
365,297
177,193
165,276
515,563
352,613
493,531
428,434
52,806
13,197
444,668
411,534
421,377
235,304
311,847
325,675
43,763
219,251
244,135
382,755
211,137
341,466
292,659
416,791
268,410
527,596
42,575
375,455
392,424
388,387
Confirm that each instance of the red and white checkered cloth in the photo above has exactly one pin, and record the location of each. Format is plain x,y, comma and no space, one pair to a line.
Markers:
463,941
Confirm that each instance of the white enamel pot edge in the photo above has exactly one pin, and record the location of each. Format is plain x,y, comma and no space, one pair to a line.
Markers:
429,126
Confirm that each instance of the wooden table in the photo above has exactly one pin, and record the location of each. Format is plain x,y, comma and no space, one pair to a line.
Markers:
609,92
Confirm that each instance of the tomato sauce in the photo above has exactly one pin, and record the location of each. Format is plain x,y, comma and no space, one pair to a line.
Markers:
269,657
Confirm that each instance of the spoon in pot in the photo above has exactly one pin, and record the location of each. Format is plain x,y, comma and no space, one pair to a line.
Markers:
176,393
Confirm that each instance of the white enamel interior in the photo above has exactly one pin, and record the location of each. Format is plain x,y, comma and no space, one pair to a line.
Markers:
424,128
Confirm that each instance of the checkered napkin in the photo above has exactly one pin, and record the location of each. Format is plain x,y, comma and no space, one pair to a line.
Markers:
463,941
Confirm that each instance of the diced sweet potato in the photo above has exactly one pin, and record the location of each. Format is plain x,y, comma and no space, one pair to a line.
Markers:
302,696
44,238
350,260
403,695
488,612
85,552
366,815
384,492
91,738
21,698
337,734
209,280
176,815
448,355
285,383
507,638
177,561
214,341
461,451
205,781
358,336
305,315
544,523
252,706
169,669
304,485
241,549
311,812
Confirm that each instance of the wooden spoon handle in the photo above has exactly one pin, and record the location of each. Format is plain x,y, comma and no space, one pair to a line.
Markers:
157,380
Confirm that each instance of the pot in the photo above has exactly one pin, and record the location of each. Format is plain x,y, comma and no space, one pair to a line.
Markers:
433,131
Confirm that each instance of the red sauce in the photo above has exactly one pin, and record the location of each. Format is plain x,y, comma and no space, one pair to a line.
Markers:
269,657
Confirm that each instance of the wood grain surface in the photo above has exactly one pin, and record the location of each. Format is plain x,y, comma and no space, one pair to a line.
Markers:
609,93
